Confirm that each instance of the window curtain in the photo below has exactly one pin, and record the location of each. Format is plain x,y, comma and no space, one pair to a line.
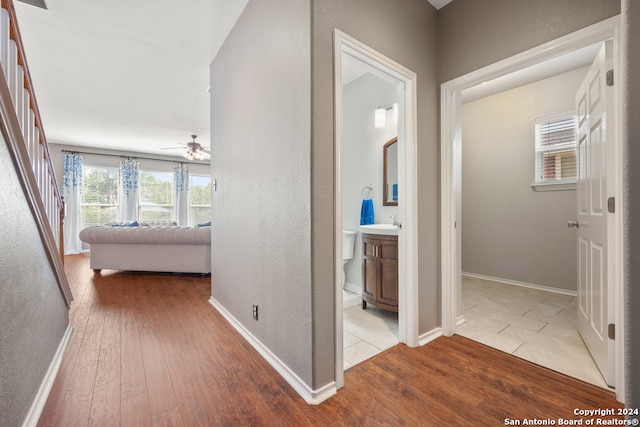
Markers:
181,177
129,171
72,192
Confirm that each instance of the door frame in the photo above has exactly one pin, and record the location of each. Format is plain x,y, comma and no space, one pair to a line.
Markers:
451,174
405,81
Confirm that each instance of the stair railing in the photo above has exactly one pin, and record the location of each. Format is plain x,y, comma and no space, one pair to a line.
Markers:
22,128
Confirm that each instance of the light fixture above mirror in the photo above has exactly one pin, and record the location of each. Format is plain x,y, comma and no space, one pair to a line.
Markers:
380,115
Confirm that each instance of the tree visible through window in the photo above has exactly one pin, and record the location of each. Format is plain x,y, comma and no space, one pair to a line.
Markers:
99,203
199,199
156,196
556,149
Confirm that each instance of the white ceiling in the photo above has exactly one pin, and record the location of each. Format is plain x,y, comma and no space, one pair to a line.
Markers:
553,67
125,75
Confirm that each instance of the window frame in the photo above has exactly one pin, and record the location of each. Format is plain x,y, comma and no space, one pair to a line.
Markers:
561,184
191,205
171,208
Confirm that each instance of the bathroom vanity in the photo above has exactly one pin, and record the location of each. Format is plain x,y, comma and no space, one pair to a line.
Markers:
380,270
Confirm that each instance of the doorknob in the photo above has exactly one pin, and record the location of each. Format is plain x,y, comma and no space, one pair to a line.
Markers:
573,224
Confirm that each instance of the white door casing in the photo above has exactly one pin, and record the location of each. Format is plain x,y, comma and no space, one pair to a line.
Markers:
405,81
594,110
450,164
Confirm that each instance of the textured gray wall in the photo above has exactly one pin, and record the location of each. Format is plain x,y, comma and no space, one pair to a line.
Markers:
404,31
33,313
476,33
260,127
631,158
508,230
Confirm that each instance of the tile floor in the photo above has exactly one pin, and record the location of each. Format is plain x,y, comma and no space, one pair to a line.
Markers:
535,325
366,332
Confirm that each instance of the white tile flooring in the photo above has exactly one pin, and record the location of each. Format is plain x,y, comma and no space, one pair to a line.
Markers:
366,332
535,325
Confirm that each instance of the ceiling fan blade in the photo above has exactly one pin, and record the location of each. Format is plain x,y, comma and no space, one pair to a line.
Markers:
206,150
171,148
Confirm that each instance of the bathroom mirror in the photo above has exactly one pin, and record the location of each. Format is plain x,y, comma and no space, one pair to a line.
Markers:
390,173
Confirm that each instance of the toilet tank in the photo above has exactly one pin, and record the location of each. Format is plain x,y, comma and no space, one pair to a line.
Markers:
348,244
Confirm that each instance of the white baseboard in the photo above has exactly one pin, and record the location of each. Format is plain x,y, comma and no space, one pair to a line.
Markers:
523,284
427,337
312,397
460,320
352,287
47,383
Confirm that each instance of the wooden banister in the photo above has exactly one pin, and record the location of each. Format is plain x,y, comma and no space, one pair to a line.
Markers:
21,127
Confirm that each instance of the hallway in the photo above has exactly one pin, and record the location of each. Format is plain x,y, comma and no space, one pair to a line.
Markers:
149,350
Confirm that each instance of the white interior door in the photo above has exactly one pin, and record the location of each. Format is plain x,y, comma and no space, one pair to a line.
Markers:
594,121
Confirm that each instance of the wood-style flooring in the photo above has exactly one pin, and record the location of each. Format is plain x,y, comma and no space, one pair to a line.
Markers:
149,350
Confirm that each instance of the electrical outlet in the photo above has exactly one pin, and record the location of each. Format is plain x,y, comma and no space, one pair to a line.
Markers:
255,311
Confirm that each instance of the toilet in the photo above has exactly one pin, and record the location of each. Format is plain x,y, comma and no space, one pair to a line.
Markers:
348,245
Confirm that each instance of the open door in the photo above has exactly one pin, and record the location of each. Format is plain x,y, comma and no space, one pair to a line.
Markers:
593,105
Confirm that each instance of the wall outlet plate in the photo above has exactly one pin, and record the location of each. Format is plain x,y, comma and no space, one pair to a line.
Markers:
255,311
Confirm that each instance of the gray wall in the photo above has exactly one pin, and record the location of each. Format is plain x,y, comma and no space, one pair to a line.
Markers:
476,33
631,175
362,157
273,156
510,231
33,313
261,126
404,31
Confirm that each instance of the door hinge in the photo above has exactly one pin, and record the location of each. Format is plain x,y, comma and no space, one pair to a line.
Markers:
611,205
612,331
610,78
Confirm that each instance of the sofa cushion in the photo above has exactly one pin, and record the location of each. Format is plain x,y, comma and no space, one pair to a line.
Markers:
147,235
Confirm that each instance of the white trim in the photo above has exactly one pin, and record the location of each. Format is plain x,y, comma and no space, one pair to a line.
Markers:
406,82
427,337
522,284
616,232
47,382
352,287
312,397
553,186
460,320
450,105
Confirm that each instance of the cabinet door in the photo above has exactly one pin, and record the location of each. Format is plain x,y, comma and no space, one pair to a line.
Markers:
369,276
388,280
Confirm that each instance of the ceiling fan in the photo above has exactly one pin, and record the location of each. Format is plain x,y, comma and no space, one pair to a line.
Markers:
194,150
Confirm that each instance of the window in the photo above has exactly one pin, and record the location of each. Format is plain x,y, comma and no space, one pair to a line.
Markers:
556,151
156,196
99,203
199,199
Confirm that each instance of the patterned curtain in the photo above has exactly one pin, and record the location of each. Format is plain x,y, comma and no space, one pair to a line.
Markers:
129,169
72,192
181,178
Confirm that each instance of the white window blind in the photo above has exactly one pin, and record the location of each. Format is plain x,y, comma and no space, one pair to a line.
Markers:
556,149
99,203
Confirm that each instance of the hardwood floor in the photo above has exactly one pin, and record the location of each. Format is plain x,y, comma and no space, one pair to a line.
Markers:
149,350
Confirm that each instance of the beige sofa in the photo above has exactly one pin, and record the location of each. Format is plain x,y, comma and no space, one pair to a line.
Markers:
162,249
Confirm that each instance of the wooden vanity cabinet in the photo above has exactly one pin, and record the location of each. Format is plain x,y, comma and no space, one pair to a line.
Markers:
380,271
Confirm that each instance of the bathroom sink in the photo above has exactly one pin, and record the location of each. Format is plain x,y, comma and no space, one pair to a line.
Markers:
388,229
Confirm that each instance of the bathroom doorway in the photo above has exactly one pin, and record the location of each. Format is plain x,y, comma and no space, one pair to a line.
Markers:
403,82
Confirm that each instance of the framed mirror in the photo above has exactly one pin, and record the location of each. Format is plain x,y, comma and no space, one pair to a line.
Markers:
390,173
